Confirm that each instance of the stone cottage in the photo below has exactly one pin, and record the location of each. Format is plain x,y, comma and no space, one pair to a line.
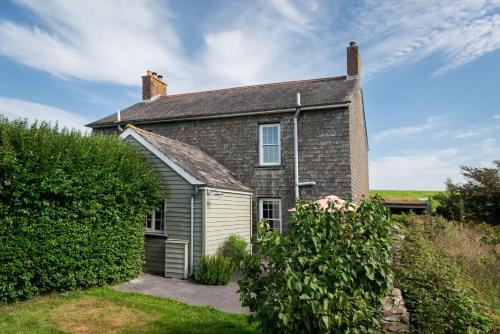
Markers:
281,141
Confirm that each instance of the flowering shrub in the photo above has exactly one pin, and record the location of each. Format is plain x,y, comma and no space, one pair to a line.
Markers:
327,274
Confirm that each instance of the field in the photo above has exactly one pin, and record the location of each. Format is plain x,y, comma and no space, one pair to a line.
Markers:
104,310
404,194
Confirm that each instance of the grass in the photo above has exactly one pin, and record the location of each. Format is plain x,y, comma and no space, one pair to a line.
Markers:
104,310
404,194
478,260
463,244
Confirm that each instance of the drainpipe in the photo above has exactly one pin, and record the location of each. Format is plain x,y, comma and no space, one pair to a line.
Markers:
296,146
118,119
191,237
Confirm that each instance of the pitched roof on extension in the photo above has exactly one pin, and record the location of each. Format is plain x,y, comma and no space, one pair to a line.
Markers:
238,100
190,162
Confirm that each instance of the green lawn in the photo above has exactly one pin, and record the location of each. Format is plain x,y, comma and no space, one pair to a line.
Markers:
404,194
104,310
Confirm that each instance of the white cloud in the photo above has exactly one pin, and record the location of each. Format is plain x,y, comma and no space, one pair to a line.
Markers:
496,117
20,109
472,132
428,170
110,41
423,171
406,131
116,41
395,32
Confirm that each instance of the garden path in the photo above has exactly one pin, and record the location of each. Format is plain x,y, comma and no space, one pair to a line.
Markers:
222,297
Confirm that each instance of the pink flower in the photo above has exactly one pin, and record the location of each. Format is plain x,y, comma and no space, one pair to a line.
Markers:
337,204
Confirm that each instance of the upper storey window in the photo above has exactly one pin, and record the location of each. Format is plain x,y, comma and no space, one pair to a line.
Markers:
269,145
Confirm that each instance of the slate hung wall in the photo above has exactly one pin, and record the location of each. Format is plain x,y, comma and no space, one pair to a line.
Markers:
332,152
333,147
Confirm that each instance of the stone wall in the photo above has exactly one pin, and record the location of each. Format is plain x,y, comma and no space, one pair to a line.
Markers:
396,318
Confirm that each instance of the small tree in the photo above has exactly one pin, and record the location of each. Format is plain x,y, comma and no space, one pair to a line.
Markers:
478,199
327,274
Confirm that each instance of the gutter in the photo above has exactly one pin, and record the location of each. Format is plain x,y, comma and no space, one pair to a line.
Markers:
344,104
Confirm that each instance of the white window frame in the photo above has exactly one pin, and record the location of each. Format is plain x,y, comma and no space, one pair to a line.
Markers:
261,144
152,214
275,200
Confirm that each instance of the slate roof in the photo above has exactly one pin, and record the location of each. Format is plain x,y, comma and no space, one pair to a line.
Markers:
194,161
266,97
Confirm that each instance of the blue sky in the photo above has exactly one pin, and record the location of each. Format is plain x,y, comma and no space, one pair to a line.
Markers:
431,69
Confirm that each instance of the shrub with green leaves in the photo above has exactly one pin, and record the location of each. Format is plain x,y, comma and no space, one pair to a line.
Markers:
327,274
235,248
214,270
72,209
437,294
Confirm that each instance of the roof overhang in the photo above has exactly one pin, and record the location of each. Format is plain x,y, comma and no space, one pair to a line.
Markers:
129,132
238,114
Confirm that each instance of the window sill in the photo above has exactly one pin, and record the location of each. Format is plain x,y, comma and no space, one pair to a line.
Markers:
269,167
157,235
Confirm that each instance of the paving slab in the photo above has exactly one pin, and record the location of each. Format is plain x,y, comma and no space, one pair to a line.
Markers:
222,297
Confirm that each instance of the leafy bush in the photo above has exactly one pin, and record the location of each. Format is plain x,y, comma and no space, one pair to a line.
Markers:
476,200
438,296
327,274
235,249
214,270
72,209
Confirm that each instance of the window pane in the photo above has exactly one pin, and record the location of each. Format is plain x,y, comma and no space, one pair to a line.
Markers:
158,225
271,154
274,135
270,211
275,225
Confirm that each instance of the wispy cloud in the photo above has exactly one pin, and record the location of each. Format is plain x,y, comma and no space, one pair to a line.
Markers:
470,132
114,41
428,169
430,123
96,41
20,109
397,32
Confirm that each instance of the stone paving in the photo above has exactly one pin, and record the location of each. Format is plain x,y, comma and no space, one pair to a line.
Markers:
222,297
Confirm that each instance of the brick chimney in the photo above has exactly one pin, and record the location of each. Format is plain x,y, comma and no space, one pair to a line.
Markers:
153,85
353,61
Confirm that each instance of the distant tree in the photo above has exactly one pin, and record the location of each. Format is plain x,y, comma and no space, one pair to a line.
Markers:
478,199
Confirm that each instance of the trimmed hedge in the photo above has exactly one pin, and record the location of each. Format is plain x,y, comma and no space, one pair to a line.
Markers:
72,209
328,274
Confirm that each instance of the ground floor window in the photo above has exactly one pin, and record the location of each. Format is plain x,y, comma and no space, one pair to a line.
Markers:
155,220
270,210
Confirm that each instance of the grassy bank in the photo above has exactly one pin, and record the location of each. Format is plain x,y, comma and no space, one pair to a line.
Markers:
449,275
404,194
105,310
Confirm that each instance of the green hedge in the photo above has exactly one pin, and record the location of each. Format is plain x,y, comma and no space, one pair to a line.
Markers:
72,209
328,274
437,294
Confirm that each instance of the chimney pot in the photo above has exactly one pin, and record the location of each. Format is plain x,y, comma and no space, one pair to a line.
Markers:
353,61
153,85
